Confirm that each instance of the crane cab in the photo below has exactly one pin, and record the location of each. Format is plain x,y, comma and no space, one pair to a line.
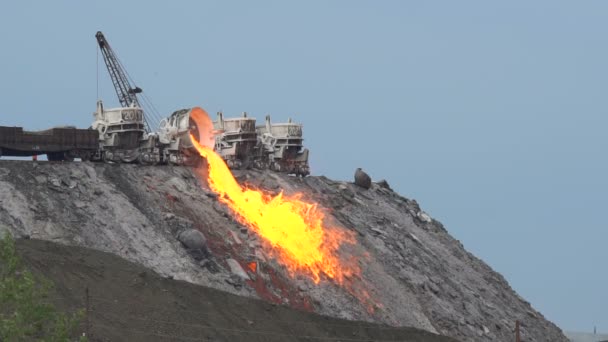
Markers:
120,132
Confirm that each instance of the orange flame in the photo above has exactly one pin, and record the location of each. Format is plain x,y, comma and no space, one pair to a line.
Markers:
294,227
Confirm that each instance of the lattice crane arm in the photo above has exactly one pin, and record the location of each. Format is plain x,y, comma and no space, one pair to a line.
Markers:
127,95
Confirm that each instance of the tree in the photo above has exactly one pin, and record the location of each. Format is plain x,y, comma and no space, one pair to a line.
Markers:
25,313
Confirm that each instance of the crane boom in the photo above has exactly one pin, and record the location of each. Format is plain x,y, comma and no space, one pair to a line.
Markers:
127,95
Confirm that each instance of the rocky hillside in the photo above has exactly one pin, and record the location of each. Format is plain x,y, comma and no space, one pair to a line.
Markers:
414,273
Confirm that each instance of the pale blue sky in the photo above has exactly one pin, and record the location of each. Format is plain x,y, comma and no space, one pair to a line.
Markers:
492,115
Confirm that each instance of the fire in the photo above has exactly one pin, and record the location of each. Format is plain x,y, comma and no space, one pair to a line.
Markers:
294,227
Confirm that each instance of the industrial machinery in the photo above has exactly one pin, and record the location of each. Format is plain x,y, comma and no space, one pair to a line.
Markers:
127,95
280,148
174,135
124,133
61,143
238,141
235,140
120,131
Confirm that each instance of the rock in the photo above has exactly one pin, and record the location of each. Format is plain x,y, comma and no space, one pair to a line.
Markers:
345,315
57,189
169,216
55,182
192,239
199,254
41,179
381,220
69,182
222,209
235,281
302,287
384,184
253,243
424,217
82,188
178,184
434,288
260,255
236,269
236,238
346,193
414,237
378,231
362,179
79,204
91,173
401,245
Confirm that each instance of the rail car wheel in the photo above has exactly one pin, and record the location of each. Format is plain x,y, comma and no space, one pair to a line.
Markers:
246,163
85,156
146,159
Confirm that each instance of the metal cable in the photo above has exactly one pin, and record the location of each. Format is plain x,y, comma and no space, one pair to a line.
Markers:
151,111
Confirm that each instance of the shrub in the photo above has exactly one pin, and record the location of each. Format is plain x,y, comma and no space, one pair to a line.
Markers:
25,312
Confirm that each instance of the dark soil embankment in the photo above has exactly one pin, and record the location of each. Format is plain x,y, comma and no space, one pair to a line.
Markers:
128,302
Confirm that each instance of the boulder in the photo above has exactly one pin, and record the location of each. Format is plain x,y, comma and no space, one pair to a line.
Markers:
424,217
236,269
362,179
192,239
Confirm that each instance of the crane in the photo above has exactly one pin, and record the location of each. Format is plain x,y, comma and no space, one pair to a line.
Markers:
127,94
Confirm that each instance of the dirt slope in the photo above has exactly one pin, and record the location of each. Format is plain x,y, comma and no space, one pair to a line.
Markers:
128,302
415,273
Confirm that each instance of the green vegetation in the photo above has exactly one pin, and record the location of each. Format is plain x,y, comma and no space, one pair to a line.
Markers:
25,313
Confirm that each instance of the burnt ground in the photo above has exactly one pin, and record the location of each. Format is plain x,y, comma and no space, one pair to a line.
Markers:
128,302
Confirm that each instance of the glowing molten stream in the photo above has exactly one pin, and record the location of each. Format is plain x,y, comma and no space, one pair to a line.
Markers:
292,226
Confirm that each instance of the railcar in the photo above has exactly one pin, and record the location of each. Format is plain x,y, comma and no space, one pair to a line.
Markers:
60,143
